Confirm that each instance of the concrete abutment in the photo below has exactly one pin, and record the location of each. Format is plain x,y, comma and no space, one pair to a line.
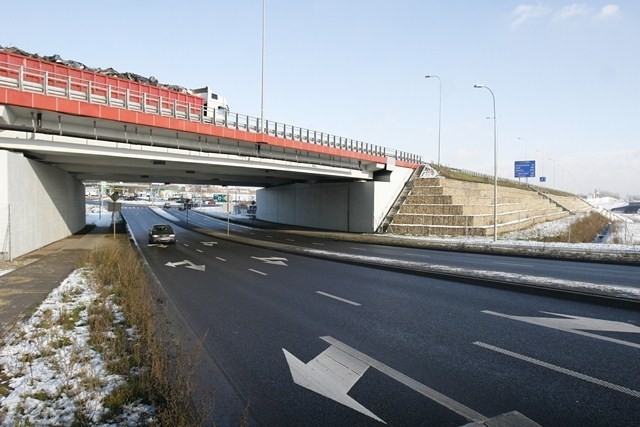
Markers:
39,205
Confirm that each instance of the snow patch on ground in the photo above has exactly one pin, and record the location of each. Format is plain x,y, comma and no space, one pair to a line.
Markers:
55,377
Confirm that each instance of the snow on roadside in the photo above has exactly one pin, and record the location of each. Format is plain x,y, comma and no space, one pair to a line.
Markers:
608,203
99,216
628,232
54,375
543,229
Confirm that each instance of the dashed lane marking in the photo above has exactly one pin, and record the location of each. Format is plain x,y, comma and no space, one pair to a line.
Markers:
338,298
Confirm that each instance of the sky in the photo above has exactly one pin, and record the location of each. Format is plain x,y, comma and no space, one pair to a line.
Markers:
564,74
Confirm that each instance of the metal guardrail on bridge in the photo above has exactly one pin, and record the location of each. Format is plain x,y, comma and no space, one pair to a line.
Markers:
32,80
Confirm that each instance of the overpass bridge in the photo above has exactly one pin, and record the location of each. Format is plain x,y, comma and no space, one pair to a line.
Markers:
61,126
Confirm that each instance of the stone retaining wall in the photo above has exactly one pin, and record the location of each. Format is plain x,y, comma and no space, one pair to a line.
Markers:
447,207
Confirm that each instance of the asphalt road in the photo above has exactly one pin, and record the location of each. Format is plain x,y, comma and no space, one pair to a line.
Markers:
598,273
397,343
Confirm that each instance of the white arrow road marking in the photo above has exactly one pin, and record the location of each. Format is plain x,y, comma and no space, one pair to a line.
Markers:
209,243
577,325
338,368
331,374
428,392
187,264
565,371
272,260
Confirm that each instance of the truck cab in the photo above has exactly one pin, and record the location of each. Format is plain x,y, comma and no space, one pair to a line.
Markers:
212,101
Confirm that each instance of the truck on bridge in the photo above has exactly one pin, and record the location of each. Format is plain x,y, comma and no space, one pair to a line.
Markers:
212,101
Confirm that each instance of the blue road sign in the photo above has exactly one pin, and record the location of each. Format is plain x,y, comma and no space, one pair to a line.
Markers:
525,169
543,179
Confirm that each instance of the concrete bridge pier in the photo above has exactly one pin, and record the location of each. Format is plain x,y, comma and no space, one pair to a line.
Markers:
39,204
357,206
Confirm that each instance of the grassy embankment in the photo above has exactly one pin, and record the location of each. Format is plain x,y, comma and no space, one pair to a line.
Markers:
582,230
481,178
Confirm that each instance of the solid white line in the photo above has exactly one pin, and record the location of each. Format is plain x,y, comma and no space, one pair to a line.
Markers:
221,259
338,298
259,272
428,392
565,371
514,264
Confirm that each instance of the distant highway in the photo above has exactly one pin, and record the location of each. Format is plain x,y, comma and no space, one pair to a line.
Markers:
306,341
631,208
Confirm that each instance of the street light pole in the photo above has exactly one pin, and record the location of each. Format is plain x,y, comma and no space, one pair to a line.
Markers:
439,110
262,80
525,147
542,162
495,164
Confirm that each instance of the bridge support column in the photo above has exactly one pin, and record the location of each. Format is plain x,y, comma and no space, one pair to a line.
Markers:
39,205
358,207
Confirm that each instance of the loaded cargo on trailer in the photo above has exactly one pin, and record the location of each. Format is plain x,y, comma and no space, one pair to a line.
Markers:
60,71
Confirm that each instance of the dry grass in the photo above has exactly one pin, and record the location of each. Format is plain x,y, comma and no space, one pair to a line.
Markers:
135,347
583,230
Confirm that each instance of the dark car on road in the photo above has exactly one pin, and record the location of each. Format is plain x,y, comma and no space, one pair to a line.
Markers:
162,233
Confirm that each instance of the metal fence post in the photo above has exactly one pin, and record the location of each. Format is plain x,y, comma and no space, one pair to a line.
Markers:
20,78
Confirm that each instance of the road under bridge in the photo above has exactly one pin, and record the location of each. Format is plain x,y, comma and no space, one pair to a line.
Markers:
60,128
